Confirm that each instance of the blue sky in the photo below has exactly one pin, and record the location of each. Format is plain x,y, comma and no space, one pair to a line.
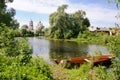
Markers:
99,12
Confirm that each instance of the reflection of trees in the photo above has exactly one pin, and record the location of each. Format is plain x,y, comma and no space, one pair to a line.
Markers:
65,49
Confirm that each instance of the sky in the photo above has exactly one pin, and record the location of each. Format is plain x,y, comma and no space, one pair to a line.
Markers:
101,13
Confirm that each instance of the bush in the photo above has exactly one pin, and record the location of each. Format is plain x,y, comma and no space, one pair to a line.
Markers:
13,47
11,68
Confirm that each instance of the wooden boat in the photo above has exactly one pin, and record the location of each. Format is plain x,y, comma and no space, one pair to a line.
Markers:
95,60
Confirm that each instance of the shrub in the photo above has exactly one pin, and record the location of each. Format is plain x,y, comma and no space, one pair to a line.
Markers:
11,68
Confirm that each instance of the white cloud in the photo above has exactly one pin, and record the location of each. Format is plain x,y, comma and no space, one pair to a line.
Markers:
38,6
95,12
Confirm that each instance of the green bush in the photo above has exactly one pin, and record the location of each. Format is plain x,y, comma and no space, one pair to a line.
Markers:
15,59
13,47
11,68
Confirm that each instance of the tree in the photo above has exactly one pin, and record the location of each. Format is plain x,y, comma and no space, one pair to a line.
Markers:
86,22
9,46
58,21
79,22
64,25
15,24
6,15
23,30
62,8
11,11
24,27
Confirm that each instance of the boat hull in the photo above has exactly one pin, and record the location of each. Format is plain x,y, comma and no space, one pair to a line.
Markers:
95,60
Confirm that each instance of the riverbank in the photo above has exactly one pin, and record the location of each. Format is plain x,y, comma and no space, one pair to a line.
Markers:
103,39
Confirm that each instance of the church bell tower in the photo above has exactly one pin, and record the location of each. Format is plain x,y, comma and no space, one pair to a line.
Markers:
31,25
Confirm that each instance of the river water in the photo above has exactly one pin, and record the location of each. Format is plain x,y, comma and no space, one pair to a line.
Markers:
51,49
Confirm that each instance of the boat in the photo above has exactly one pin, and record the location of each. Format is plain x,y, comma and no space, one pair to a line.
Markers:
95,60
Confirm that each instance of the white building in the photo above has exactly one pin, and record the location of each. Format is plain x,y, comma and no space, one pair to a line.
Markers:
92,28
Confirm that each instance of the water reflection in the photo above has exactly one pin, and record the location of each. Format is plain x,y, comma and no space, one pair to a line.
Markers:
50,49
63,49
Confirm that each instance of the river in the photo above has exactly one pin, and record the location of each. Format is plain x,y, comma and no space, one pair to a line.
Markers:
57,49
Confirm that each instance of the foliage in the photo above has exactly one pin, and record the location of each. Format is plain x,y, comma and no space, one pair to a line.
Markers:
81,73
24,49
15,53
15,59
6,37
114,45
39,33
64,25
101,73
11,47
24,27
68,34
7,15
93,37
15,24
25,32
11,68
116,69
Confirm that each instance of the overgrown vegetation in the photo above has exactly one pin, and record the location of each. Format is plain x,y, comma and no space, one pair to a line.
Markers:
11,68
16,62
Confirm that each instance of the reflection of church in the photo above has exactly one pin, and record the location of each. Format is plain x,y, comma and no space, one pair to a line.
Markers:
38,27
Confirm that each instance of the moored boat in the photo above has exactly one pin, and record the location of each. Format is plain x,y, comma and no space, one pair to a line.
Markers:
95,60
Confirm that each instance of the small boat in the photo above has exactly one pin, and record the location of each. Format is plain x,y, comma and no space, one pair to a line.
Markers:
95,60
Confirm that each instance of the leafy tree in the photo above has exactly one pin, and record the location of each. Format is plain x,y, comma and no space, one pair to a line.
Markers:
11,47
58,22
64,25
15,53
39,32
86,22
7,15
29,33
11,11
15,24
23,30
68,34
79,22
61,9
24,27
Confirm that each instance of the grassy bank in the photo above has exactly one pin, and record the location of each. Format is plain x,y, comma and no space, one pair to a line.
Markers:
84,71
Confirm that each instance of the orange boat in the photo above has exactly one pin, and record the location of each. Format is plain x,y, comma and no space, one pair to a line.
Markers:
96,60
